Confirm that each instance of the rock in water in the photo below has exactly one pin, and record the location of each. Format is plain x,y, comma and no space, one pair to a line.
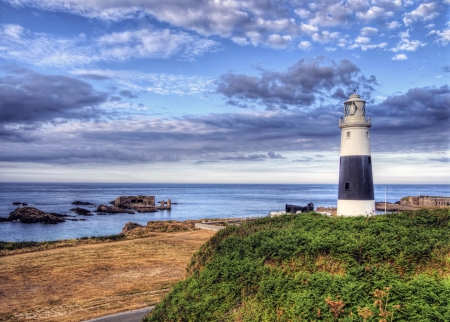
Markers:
18,203
129,226
113,210
82,203
34,215
81,211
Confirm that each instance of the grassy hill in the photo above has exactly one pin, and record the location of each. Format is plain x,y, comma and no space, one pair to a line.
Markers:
312,267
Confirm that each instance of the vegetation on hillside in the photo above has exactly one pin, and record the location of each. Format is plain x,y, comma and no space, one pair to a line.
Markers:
311,267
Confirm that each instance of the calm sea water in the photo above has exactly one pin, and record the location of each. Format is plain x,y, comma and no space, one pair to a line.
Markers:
195,201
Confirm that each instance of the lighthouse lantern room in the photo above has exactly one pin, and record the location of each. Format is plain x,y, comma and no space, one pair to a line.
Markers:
355,193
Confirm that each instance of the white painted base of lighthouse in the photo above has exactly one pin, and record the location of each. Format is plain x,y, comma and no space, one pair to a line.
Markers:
355,207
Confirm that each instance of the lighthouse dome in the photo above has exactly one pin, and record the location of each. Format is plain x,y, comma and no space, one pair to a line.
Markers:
355,106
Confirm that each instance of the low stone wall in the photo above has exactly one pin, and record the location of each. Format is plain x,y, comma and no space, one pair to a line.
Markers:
207,226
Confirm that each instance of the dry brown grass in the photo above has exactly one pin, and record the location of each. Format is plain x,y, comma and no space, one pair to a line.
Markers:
87,281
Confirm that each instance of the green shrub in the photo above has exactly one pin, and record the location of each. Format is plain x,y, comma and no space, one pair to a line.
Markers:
312,267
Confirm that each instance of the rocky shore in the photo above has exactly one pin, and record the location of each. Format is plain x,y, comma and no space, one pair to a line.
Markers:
27,214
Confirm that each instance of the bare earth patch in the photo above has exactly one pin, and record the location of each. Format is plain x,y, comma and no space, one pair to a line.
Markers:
86,281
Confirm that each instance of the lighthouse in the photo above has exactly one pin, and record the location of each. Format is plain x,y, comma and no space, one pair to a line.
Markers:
355,193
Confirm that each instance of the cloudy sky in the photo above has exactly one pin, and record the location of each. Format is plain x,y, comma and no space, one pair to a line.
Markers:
245,91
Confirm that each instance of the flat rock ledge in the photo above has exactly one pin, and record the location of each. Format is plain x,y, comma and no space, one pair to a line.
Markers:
34,215
113,210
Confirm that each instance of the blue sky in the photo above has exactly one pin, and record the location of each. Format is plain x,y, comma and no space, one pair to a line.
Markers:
220,91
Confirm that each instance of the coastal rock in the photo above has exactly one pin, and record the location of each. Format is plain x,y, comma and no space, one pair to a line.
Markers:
81,211
3,219
113,210
145,209
18,203
34,215
82,203
129,226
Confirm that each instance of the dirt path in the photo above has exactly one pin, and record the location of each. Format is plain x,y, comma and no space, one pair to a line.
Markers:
87,281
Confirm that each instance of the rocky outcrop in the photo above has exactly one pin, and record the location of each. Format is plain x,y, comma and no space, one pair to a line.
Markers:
113,210
34,215
129,226
81,211
18,203
144,209
82,203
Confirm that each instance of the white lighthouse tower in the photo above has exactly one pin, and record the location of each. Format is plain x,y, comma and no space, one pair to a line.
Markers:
355,194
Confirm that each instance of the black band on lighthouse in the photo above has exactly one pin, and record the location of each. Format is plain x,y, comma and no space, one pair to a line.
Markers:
355,178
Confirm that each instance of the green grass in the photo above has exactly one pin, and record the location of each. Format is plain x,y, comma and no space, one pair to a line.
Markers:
311,267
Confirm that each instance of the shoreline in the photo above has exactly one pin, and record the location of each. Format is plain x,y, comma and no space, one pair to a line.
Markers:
152,227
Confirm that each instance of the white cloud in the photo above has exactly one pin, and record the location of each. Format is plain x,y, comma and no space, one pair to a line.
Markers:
400,57
309,29
404,34
408,45
393,25
305,45
442,37
163,84
388,4
13,31
330,49
278,41
42,49
358,5
365,47
342,42
362,40
240,41
329,14
325,36
424,12
145,43
371,14
302,13
368,31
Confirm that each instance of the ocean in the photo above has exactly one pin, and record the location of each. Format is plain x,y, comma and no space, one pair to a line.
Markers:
193,201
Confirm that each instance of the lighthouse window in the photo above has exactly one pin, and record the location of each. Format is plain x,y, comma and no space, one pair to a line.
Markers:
347,186
348,135
367,133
